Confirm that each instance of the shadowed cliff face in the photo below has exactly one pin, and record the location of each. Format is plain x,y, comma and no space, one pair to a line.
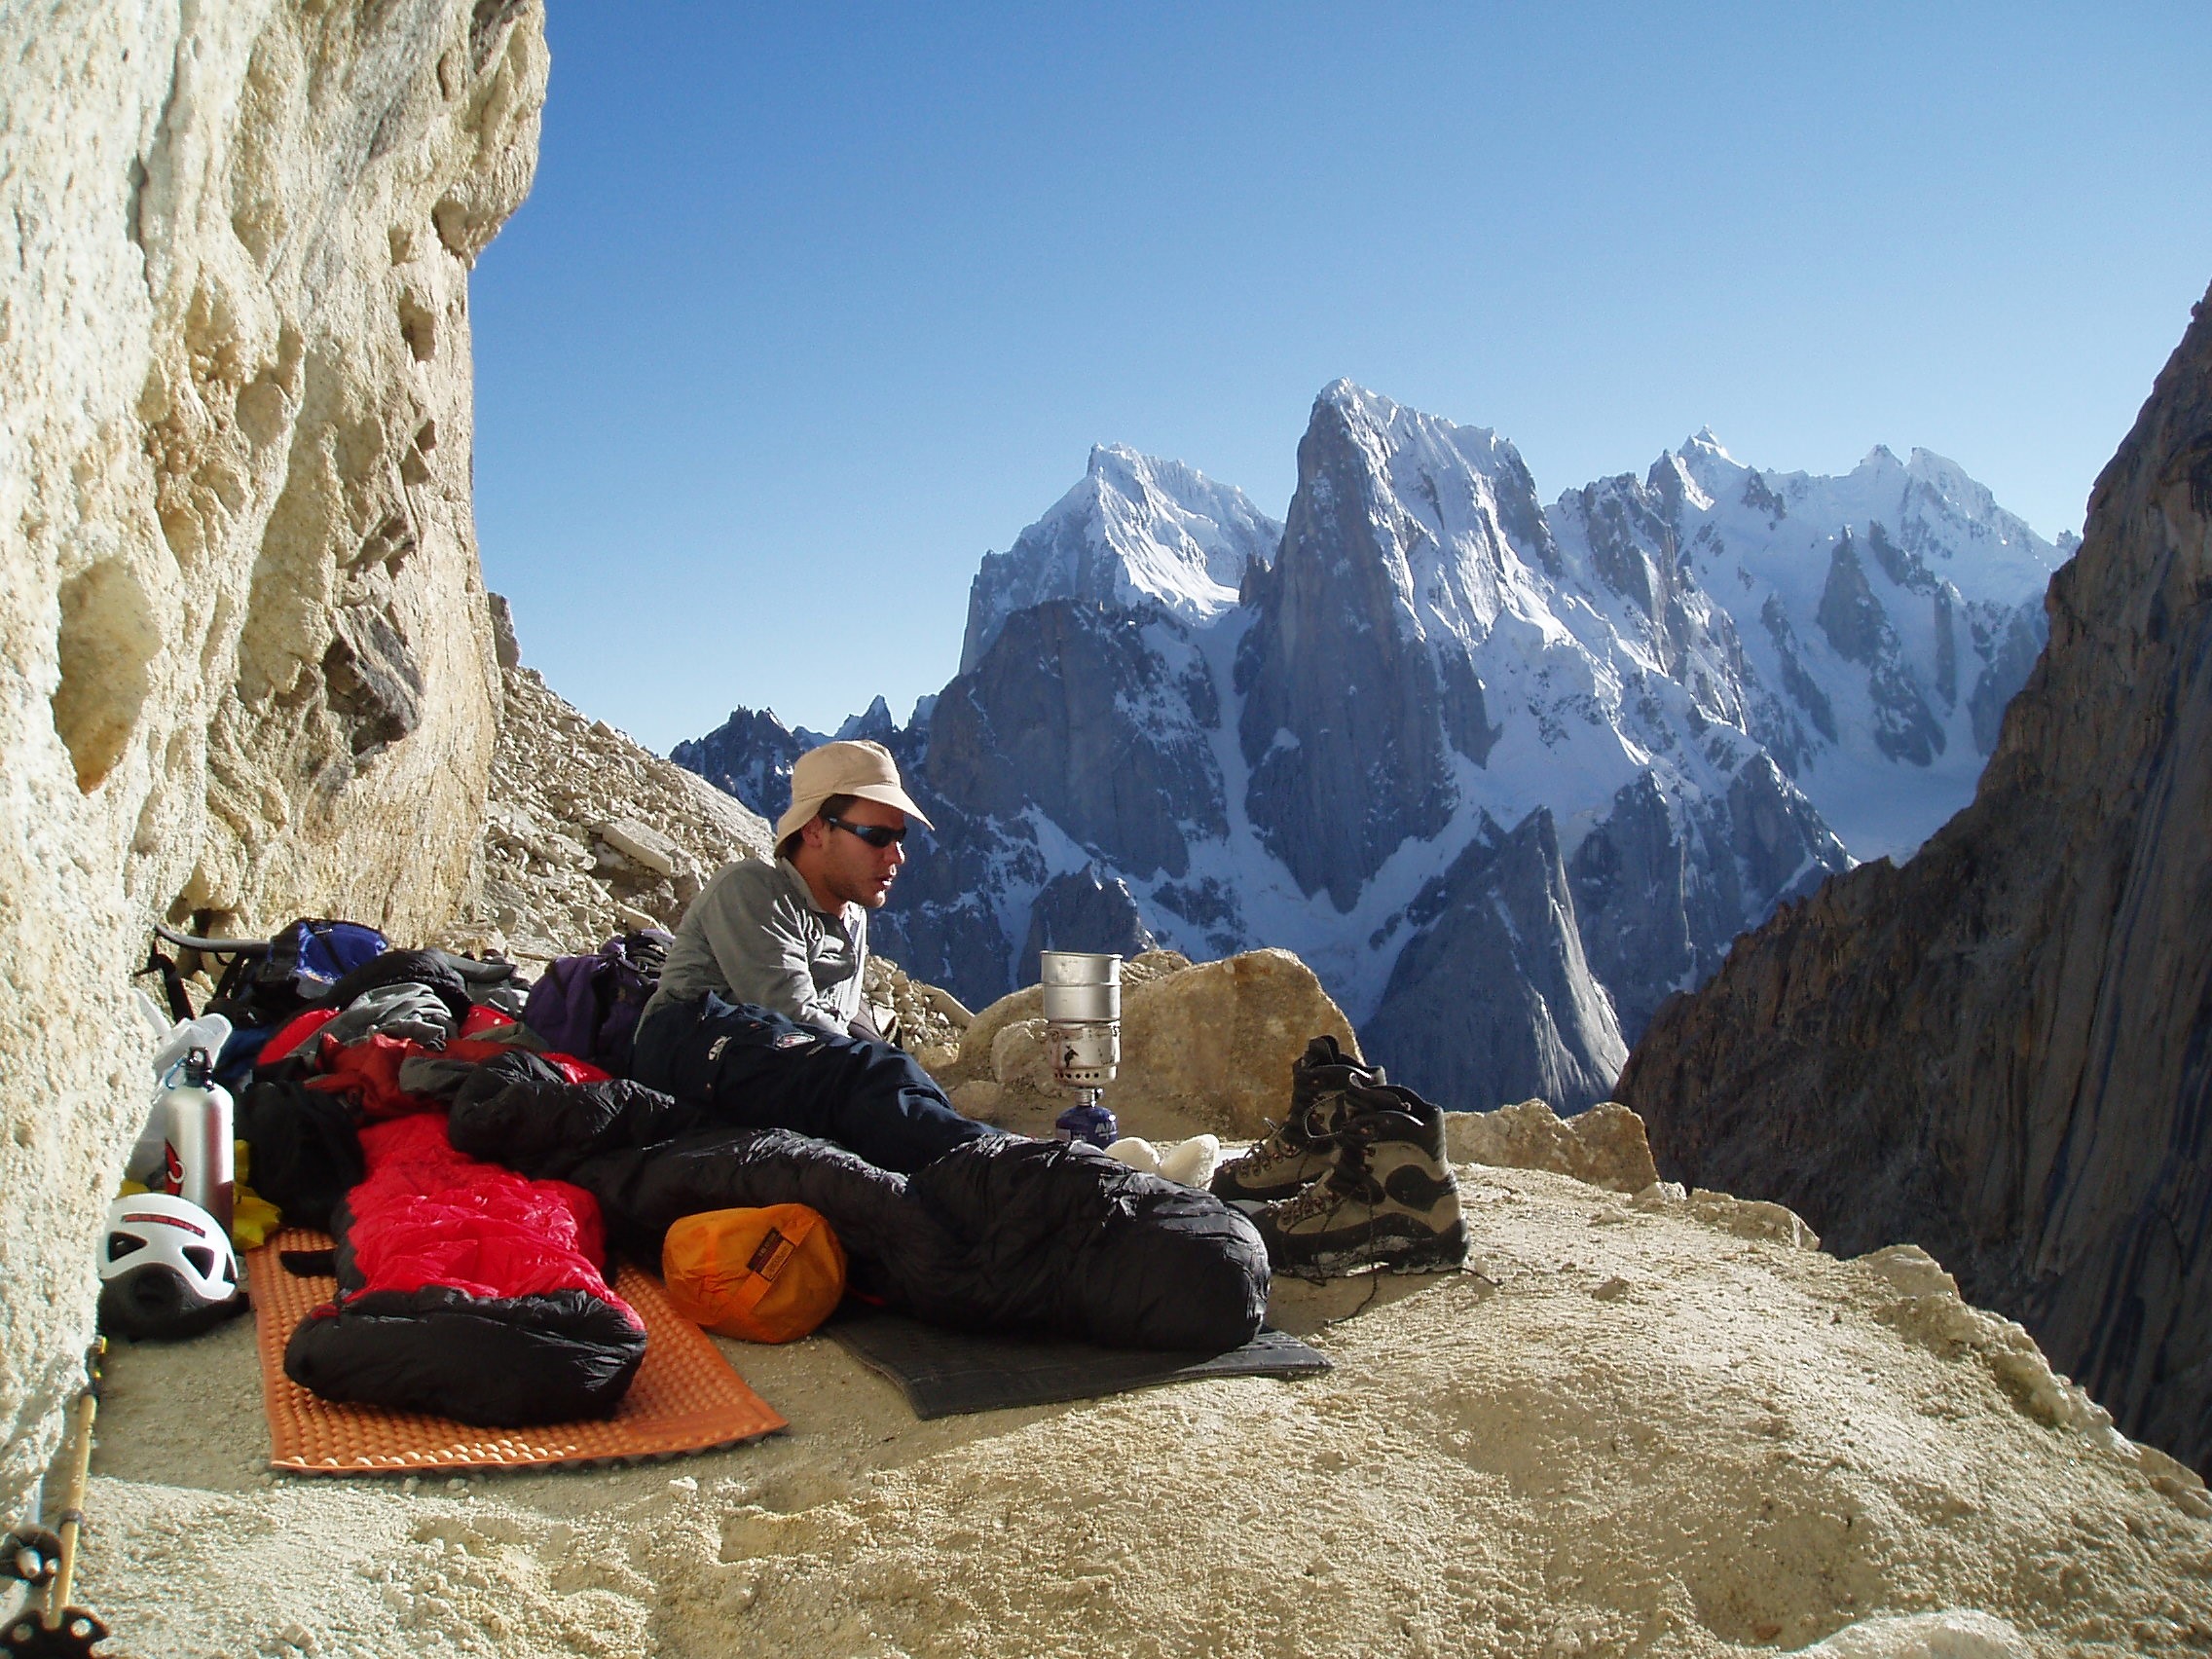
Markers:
1349,710
2002,1051
1493,1002
1076,709
748,756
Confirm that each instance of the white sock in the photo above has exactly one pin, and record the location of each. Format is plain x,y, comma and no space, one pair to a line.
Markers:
1192,1163
1137,1153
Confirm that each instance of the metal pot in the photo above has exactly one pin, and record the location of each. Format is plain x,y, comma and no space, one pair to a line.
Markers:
1081,987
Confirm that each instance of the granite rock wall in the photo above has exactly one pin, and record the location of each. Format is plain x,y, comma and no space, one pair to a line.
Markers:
248,668
2001,1051
1492,1000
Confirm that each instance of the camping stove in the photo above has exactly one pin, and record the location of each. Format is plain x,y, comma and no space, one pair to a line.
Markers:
1082,1032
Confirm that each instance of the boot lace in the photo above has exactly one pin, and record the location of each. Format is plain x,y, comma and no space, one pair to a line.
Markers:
1319,1196
1341,1185
1277,1148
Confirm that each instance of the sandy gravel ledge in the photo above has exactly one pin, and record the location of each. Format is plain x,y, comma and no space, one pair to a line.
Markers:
1633,1431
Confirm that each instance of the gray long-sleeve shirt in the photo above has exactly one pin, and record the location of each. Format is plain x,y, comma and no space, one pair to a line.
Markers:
757,935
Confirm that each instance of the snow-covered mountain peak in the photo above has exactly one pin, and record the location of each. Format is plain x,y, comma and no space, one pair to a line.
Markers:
1706,441
1708,472
1387,429
1356,402
1452,510
1937,513
1181,537
1135,530
1928,506
874,722
1688,477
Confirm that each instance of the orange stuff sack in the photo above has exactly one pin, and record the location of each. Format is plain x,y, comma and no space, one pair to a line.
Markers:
766,1275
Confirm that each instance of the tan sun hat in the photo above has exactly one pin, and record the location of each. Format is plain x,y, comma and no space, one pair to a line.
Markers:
860,768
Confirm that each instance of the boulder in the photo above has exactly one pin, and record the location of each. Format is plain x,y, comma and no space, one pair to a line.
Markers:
1604,1145
641,844
1205,1048
1019,1060
975,1060
978,1032
1753,1218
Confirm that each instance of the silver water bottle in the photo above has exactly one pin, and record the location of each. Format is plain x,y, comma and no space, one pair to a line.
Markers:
198,1157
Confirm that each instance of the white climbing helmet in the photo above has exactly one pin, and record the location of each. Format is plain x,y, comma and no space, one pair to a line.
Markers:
167,1268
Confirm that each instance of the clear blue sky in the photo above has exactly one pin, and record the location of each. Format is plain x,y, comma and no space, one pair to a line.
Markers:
813,305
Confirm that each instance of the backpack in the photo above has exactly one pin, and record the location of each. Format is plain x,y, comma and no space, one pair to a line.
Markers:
311,956
266,984
588,1006
300,965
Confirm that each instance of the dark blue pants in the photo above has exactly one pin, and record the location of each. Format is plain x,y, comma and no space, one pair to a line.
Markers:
757,1070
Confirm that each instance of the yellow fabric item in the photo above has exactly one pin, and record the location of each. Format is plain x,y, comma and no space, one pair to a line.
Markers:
254,1218
766,1275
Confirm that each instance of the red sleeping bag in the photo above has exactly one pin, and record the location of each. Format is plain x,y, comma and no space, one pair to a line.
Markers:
467,1291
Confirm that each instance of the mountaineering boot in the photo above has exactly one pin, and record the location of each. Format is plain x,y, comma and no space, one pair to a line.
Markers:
1391,1201
1298,1151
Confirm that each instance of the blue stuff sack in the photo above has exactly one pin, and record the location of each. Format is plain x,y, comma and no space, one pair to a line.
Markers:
259,990
311,956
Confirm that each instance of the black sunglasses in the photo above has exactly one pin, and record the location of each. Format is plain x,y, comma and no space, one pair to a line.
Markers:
877,836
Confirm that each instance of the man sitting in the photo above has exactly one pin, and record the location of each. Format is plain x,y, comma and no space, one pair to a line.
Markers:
759,1011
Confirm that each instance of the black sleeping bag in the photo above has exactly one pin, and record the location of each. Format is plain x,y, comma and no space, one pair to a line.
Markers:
999,1234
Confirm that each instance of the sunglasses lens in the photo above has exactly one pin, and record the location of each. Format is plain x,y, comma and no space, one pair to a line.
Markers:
875,835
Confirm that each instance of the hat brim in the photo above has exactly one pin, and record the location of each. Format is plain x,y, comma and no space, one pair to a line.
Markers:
802,812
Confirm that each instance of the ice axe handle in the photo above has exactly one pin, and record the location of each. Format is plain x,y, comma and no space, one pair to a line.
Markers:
212,947
71,1520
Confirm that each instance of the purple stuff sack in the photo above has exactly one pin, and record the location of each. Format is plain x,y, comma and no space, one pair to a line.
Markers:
588,1006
